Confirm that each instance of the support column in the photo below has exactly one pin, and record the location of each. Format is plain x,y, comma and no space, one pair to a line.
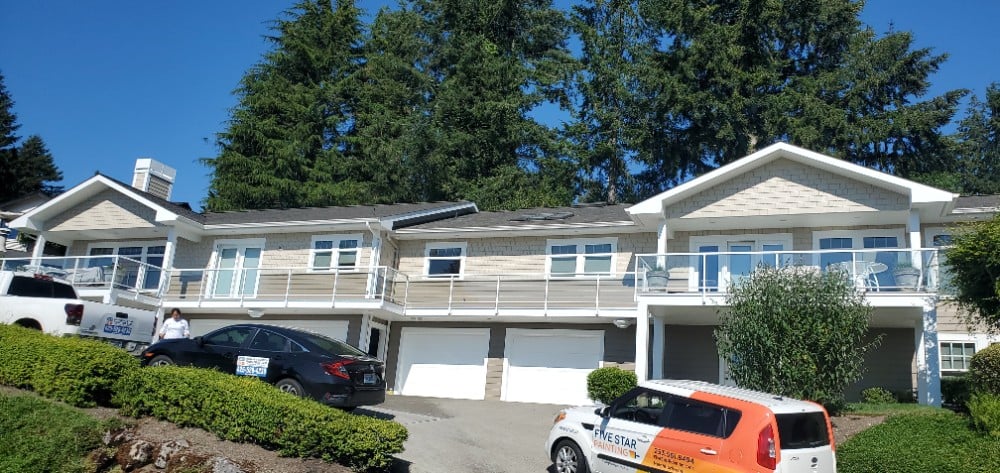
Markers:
38,250
642,342
928,359
913,231
658,344
169,251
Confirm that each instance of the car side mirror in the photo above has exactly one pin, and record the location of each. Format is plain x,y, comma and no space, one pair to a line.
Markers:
200,341
603,411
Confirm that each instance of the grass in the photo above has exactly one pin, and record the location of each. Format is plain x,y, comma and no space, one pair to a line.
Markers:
917,440
39,435
866,409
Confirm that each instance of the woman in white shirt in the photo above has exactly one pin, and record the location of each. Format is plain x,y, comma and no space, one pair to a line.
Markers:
175,326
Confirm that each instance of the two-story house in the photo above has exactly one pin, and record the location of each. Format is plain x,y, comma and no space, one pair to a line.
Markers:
522,305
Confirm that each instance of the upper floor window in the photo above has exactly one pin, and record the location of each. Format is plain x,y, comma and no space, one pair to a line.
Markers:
138,265
586,257
331,252
445,259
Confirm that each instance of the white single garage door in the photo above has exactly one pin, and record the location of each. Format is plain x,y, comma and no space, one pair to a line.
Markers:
331,328
550,365
443,362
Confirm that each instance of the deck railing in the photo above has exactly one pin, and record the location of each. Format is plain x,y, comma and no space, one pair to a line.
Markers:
882,271
93,272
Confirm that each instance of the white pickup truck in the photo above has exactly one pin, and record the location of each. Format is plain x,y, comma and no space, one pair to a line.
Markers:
51,305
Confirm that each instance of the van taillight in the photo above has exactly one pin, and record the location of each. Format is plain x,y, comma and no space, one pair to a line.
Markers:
767,457
74,314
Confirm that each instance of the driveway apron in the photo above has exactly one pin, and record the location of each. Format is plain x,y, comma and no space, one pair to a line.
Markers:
451,435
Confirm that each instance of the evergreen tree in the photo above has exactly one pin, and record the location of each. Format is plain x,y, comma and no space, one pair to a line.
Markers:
979,144
27,167
735,76
285,143
492,63
615,44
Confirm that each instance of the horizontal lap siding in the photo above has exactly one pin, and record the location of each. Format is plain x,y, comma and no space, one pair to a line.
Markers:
107,210
281,250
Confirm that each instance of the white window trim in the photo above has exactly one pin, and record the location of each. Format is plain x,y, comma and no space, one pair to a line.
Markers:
443,245
857,238
127,244
980,342
786,240
928,234
581,255
240,244
336,239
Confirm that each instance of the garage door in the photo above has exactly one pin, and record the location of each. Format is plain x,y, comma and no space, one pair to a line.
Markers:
550,366
331,328
443,362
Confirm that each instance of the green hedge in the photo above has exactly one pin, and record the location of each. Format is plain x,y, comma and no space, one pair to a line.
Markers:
984,409
73,370
607,384
984,370
955,391
910,443
245,409
878,395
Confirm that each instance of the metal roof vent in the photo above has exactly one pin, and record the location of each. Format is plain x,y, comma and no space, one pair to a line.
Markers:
542,216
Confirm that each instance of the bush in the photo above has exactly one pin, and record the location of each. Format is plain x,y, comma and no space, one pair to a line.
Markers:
906,443
984,409
984,370
796,333
245,409
73,370
40,435
955,391
607,384
877,395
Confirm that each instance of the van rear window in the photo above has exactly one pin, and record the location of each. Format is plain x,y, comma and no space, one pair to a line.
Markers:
802,430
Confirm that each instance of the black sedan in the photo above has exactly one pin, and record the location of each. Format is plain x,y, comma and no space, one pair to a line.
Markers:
295,361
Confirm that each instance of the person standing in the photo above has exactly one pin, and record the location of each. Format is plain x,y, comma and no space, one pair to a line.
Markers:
174,327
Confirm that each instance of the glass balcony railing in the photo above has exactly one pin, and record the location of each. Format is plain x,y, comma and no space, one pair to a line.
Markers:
93,272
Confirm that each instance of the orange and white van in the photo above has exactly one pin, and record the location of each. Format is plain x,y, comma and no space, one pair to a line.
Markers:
693,427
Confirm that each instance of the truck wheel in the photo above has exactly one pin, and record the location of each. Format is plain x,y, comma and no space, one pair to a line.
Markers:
161,360
29,323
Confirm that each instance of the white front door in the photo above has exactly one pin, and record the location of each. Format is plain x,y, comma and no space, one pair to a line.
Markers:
550,365
443,362
236,271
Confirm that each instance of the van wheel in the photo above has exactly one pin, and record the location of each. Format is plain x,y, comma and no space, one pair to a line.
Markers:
290,386
568,458
161,360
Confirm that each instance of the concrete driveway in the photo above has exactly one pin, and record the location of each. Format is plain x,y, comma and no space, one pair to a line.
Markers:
450,435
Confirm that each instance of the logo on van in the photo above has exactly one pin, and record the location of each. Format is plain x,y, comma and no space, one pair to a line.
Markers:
615,443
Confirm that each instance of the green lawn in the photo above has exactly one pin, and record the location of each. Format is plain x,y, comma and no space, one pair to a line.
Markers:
863,408
39,435
922,440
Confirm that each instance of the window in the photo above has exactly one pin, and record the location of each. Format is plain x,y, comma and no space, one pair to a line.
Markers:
939,276
701,418
268,341
642,406
335,252
139,265
229,337
589,257
955,356
445,259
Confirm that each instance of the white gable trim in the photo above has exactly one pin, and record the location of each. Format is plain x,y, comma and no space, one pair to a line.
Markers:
918,193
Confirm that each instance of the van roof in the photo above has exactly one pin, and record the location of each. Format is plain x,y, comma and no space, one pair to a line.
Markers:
777,404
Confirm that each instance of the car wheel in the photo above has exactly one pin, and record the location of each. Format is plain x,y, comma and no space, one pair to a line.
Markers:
161,360
568,458
290,386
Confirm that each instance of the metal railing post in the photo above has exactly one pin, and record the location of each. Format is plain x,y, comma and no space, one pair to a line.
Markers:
451,293
288,287
597,296
496,306
336,280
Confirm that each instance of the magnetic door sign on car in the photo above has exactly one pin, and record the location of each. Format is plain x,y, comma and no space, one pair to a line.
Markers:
252,366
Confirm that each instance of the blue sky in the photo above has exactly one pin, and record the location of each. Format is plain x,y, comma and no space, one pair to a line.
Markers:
106,82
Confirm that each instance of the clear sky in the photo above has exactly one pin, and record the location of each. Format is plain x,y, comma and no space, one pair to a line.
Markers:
105,82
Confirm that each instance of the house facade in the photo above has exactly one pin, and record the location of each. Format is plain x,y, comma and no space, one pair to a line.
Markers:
522,305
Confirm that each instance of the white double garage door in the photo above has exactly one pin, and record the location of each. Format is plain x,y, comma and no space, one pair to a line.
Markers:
539,365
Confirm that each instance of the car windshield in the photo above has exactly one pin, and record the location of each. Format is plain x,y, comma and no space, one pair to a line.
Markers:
336,347
804,430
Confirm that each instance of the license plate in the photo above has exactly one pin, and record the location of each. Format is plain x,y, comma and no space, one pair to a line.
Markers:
370,378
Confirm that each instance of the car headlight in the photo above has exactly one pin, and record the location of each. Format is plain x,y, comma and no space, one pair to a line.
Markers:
559,417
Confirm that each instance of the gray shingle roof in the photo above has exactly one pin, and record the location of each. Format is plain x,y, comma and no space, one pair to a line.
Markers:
378,211
180,209
534,217
978,201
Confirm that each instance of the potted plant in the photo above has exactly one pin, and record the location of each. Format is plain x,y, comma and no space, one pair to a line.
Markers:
907,276
657,277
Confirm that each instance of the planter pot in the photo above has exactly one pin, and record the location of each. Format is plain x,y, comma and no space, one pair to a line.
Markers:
656,279
907,278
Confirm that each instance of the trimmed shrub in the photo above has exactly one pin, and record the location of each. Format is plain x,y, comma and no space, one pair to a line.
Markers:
878,395
607,384
245,409
984,409
984,370
955,391
69,369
